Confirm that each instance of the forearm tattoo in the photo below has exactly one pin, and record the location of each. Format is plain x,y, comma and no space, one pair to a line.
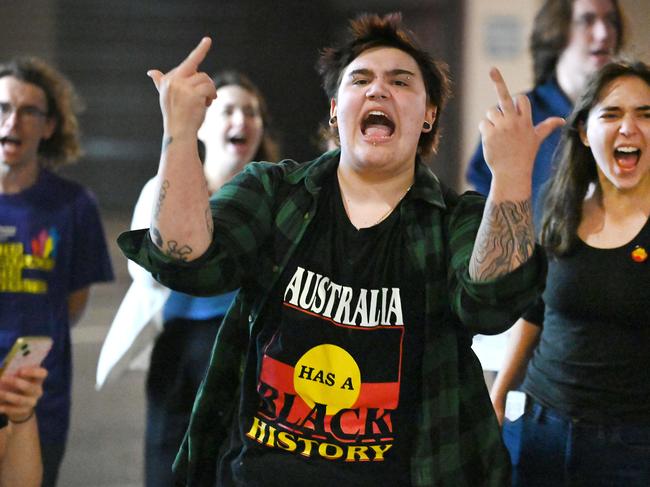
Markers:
161,197
157,238
176,251
208,221
505,240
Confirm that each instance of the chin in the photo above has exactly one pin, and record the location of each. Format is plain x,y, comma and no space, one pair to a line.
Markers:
626,183
375,155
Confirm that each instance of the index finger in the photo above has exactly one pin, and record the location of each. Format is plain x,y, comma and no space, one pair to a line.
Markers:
190,64
34,371
503,95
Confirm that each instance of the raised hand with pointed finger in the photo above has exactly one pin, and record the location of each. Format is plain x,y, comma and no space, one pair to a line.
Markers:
181,224
185,93
510,140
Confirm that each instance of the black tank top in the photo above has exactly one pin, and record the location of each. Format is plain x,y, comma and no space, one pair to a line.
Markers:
593,358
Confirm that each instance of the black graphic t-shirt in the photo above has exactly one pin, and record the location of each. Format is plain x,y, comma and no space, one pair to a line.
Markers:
332,379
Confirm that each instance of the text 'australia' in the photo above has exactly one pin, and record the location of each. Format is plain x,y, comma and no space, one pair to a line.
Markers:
344,305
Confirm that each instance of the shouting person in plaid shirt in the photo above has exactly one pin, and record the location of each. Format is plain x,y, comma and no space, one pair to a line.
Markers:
345,358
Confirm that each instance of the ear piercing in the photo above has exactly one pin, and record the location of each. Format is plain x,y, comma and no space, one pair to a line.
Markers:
332,121
426,126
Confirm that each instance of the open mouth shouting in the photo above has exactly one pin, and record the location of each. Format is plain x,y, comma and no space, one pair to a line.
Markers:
627,158
377,127
601,55
9,143
8,139
238,142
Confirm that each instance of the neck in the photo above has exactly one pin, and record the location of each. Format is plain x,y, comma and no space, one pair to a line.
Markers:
611,217
369,199
621,204
361,184
16,179
217,174
570,82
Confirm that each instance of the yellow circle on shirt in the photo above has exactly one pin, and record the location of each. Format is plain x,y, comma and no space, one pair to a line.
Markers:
327,374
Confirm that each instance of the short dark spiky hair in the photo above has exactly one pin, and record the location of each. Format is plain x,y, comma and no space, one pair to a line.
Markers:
369,31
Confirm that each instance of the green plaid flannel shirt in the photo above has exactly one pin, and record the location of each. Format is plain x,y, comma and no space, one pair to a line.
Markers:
260,218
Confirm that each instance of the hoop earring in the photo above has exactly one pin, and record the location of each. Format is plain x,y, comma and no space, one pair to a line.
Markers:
426,126
332,121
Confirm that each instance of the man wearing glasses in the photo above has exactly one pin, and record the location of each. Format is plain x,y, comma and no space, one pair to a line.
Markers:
52,245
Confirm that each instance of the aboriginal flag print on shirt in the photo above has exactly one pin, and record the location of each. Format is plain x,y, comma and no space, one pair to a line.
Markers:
337,362
339,380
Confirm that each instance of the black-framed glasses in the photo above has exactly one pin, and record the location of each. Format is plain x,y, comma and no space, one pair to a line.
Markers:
24,113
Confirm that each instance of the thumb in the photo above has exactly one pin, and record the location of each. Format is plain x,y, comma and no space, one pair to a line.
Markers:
155,76
545,127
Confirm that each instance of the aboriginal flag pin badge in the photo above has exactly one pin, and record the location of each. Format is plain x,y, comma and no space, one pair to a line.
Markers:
639,254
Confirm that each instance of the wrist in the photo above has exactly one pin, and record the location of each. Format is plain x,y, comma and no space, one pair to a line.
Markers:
24,419
509,188
180,132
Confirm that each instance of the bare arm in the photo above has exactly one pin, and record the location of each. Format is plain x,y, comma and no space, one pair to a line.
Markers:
142,219
77,302
523,339
21,464
506,238
181,224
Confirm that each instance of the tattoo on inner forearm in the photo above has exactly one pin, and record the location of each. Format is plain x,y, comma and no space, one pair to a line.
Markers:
157,238
180,252
505,240
177,251
208,221
161,197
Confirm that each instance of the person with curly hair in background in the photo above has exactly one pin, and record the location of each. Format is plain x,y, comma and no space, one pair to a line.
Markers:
52,245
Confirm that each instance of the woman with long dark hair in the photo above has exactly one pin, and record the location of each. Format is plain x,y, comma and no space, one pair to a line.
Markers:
583,351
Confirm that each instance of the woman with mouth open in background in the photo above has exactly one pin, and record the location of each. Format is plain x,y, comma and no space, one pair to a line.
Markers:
584,352
236,130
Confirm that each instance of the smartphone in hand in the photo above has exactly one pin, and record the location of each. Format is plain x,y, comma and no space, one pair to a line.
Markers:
26,351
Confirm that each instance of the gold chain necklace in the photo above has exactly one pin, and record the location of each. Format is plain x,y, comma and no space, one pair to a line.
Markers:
385,215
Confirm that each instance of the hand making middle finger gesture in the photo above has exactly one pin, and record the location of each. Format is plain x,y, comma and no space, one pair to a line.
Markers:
510,141
185,93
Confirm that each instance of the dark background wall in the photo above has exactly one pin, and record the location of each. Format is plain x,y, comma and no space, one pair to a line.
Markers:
105,48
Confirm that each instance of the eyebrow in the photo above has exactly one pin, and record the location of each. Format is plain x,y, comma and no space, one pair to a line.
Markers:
392,72
242,106
613,108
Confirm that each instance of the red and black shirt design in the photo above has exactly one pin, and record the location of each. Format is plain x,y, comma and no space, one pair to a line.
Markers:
337,362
